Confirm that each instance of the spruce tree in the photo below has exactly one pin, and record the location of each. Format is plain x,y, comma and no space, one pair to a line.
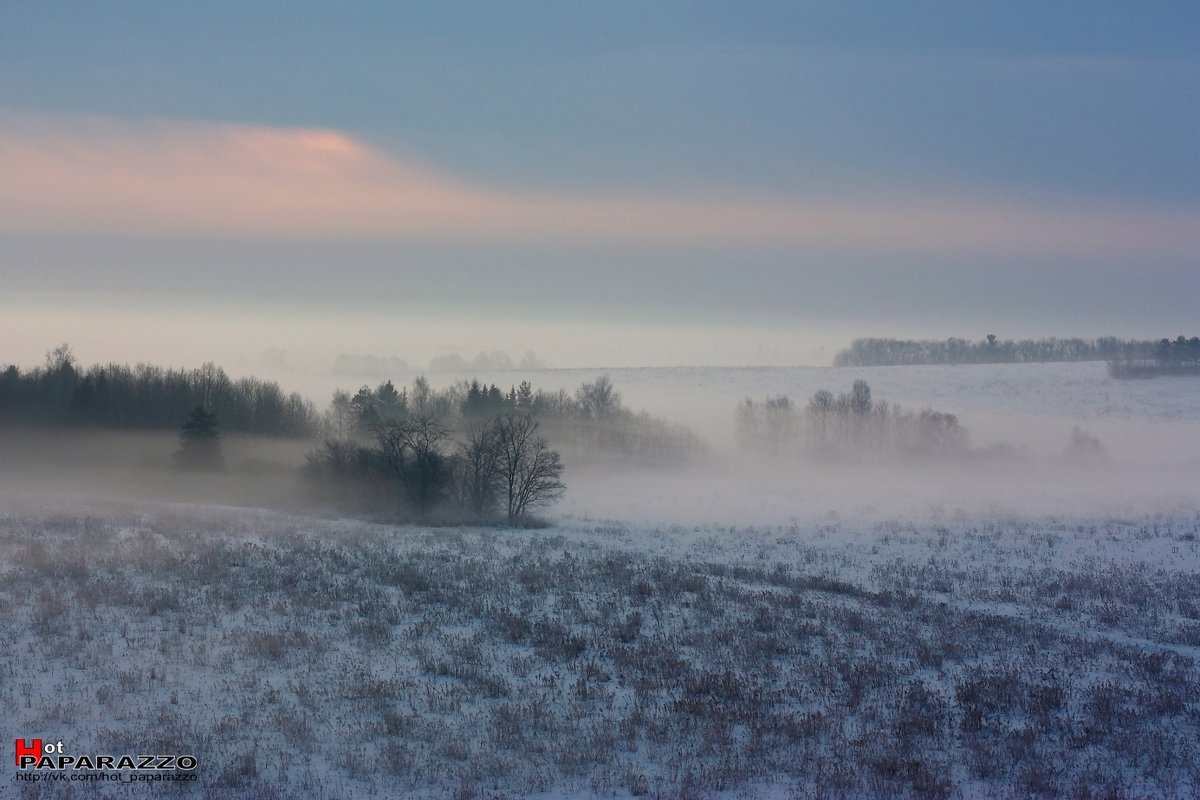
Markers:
200,442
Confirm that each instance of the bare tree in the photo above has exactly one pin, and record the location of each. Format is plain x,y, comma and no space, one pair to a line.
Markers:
210,383
60,359
412,447
770,426
819,409
860,398
421,398
530,472
749,431
781,424
598,399
338,420
335,461
479,467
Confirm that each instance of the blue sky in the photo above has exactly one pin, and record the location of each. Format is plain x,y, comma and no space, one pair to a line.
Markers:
1082,117
1074,97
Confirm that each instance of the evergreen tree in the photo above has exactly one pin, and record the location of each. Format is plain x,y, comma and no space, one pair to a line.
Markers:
200,442
366,414
390,403
524,398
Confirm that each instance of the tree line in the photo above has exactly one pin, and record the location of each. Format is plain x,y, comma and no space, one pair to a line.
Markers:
870,352
408,465
592,418
472,452
62,393
1178,356
414,467
847,424
467,452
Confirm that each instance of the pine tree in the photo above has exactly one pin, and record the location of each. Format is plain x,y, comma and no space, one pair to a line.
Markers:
524,398
200,442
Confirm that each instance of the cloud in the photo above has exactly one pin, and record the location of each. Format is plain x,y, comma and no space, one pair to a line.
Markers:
73,174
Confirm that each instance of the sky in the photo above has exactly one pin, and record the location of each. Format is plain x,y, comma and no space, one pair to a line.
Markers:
614,183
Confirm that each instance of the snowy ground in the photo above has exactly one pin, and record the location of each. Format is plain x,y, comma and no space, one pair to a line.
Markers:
973,657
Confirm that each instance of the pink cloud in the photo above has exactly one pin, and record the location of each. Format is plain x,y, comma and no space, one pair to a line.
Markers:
76,174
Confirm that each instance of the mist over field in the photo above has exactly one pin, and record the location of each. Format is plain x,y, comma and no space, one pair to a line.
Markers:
1019,419
516,580
995,601
685,401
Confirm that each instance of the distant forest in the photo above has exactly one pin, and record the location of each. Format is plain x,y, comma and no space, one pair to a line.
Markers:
467,453
61,393
147,397
593,418
990,350
850,424
473,452
1179,356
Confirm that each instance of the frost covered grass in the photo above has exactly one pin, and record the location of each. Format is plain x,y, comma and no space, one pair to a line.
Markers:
305,658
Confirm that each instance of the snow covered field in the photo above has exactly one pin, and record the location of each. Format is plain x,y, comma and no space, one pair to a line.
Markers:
855,631
301,658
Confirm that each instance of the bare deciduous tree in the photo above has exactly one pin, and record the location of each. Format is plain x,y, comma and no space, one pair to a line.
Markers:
530,472
598,399
771,426
413,448
479,467
819,409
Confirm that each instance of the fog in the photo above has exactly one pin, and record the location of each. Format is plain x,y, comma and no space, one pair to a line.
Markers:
266,339
739,494
1017,457
138,466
